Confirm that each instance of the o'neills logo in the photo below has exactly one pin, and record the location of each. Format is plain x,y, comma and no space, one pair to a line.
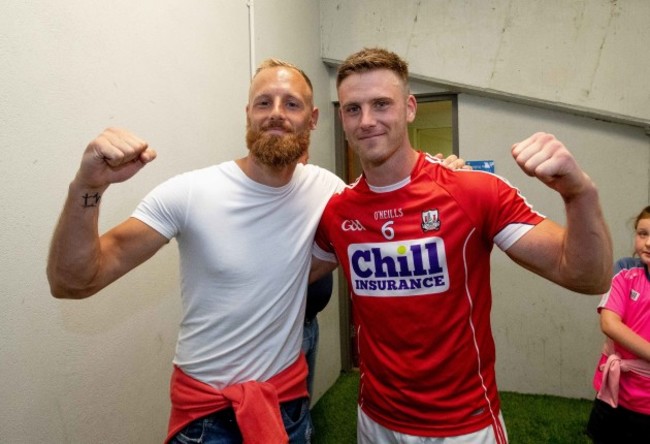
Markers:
404,268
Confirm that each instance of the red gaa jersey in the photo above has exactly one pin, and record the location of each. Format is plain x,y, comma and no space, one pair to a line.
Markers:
416,256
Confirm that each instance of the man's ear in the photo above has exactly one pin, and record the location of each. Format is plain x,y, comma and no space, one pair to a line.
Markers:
411,108
314,118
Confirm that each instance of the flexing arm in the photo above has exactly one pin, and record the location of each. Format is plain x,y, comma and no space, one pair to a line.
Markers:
80,262
612,325
578,256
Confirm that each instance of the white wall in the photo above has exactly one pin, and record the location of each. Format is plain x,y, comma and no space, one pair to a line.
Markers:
175,73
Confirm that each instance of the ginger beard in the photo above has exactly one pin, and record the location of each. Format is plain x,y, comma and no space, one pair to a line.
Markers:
274,150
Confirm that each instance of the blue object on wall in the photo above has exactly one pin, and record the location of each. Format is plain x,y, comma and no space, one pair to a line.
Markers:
481,165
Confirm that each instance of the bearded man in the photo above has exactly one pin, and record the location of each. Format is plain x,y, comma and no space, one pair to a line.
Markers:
244,230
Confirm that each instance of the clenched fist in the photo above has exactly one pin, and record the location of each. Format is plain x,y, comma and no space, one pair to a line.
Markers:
114,156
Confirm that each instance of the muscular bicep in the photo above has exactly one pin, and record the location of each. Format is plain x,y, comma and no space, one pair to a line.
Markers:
566,257
124,247
540,250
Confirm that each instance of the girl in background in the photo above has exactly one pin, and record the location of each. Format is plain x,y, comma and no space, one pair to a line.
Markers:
621,410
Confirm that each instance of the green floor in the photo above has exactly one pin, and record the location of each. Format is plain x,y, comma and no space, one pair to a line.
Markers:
530,419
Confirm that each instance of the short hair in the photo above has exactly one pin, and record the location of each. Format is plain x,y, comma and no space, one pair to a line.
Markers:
276,63
644,214
370,59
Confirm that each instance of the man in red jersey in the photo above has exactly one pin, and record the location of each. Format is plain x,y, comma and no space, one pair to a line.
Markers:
414,242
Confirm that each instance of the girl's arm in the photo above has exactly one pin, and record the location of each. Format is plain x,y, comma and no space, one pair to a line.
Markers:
612,325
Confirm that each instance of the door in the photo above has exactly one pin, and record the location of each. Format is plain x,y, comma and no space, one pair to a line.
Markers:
434,130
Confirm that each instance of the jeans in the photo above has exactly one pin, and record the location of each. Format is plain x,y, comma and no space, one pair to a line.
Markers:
221,427
310,348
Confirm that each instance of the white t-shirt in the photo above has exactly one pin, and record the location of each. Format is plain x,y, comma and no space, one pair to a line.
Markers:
245,251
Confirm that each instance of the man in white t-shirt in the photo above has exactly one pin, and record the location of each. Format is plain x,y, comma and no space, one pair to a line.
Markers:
244,230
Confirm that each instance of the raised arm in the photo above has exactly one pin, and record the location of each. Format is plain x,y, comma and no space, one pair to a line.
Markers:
578,256
80,262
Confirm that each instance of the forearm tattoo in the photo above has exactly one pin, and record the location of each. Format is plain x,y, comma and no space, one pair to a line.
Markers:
91,200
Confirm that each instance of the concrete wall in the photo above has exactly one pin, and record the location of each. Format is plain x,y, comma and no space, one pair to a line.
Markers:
520,67
586,55
177,74
548,339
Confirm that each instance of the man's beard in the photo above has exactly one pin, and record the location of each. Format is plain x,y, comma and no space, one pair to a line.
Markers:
274,150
